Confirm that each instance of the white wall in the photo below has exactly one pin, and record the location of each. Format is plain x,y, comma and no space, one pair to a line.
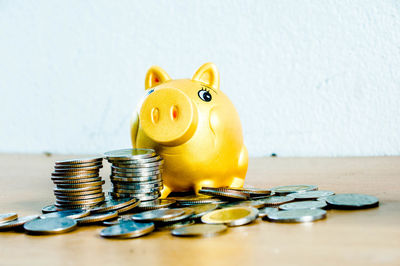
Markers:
309,78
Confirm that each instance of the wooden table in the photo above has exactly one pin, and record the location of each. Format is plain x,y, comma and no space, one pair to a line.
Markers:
367,237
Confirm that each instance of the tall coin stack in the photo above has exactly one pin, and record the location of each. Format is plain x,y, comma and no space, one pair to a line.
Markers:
77,183
135,173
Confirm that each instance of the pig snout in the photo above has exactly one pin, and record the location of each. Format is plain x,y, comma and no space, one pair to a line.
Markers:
168,116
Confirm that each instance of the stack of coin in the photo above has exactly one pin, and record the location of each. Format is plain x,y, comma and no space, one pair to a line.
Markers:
77,183
135,173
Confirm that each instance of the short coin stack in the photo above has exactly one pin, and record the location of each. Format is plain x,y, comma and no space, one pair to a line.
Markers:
135,173
77,183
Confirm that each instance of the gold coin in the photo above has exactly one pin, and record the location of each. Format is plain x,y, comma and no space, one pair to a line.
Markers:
233,216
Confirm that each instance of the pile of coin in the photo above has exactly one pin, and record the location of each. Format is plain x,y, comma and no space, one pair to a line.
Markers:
78,183
135,173
210,213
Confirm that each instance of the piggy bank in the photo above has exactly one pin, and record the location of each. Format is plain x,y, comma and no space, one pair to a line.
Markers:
193,125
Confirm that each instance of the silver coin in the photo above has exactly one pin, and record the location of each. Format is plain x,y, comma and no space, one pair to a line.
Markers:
138,186
352,201
163,226
72,214
117,220
116,178
63,207
82,185
187,213
6,217
135,170
127,229
17,222
79,197
81,161
76,202
136,161
206,230
97,217
233,216
77,181
156,204
49,209
309,204
284,190
142,198
217,192
312,194
74,176
277,200
129,154
136,174
202,209
74,172
157,215
115,204
266,210
79,165
158,163
78,193
76,190
252,203
146,192
193,200
296,216
64,169
55,225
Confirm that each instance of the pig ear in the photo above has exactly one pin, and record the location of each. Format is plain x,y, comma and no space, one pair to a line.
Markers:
208,74
155,76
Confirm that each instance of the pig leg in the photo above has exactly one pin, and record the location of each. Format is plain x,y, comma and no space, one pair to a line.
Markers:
203,183
165,192
238,180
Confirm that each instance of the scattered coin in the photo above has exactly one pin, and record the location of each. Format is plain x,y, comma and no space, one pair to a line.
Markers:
352,201
206,230
117,220
233,216
277,200
193,200
309,204
17,222
54,225
6,217
222,192
252,203
97,217
172,225
156,204
253,191
202,209
157,215
187,213
284,190
72,214
266,210
127,229
296,216
115,204
311,194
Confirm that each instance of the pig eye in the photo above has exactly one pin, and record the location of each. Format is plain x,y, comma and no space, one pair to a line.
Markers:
204,95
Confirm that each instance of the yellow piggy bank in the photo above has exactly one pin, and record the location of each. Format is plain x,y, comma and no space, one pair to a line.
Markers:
193,125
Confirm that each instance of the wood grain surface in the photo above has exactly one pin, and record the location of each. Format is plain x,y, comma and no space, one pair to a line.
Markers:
363,237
